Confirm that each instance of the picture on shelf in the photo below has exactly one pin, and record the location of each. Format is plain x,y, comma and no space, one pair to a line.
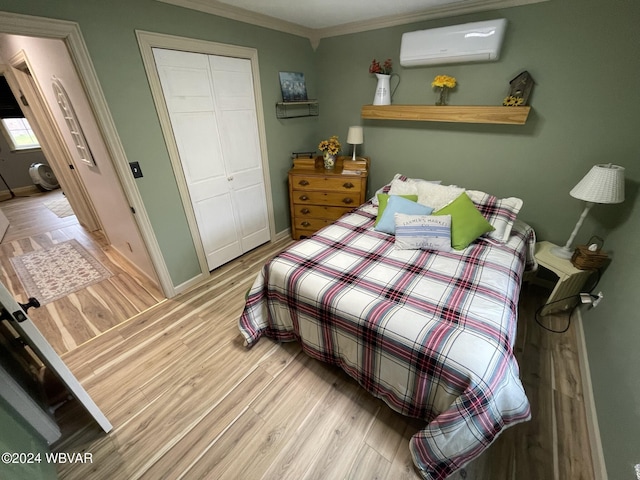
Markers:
293,87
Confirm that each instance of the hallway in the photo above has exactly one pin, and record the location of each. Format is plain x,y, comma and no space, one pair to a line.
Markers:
75,319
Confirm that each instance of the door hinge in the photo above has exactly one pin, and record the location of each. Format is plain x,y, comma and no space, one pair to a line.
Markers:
23,99
133,210
71,167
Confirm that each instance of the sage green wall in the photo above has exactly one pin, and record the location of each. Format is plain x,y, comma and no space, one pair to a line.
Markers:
108,29
583,56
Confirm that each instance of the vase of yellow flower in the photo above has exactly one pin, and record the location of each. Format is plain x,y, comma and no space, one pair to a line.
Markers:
443,83
330,149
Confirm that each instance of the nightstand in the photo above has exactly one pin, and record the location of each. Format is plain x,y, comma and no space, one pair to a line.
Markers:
318,196
570,279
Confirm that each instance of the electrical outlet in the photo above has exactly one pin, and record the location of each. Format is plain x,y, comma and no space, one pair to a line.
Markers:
586,298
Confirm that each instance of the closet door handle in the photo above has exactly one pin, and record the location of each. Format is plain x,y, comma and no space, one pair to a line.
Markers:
304,183
348,185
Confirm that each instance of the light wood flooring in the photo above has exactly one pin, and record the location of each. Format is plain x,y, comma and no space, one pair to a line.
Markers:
70,321
188,400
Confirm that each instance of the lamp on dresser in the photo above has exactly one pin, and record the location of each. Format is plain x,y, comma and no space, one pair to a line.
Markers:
604,183
355,136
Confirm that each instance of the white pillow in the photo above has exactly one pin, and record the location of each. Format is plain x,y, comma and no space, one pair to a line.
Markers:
423,232
437,196
401,185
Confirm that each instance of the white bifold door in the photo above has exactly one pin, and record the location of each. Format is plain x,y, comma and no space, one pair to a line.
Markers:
211,105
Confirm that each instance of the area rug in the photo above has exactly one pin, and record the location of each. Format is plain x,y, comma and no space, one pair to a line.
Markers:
60,207
57,271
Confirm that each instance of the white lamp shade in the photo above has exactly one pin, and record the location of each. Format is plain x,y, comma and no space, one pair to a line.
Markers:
355,136
603,184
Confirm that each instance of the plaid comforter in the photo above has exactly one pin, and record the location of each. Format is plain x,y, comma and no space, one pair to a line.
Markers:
429,333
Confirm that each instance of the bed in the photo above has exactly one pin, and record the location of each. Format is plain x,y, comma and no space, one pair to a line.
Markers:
429,331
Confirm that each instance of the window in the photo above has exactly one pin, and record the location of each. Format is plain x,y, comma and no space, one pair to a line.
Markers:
19,134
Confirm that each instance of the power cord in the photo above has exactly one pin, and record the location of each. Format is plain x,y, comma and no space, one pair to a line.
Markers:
578,299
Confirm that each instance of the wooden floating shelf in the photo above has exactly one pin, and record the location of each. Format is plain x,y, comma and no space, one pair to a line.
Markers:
449,113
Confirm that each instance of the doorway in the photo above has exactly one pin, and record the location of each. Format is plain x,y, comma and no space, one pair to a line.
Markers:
72,320
251,184
211,104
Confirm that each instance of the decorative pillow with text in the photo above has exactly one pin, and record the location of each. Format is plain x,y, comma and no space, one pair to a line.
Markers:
423,232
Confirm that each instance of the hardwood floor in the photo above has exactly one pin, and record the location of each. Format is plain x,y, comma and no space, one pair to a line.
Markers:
75,319
188,400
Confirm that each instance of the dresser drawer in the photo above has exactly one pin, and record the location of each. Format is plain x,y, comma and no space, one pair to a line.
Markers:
319,211
311,224
303,182
346,199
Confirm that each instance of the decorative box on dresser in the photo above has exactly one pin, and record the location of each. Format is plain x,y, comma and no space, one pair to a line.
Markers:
318,196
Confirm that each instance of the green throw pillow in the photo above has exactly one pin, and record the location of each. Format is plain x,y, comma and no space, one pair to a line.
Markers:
383,199
467,223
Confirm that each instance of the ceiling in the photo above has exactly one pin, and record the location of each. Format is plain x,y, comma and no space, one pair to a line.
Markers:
318,19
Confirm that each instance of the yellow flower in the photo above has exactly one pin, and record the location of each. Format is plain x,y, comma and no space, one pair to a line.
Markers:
512,101
331,146
444,81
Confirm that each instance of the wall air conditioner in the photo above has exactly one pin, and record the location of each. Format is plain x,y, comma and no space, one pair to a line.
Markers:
469,42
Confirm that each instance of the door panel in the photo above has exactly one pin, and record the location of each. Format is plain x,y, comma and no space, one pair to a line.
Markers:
27,330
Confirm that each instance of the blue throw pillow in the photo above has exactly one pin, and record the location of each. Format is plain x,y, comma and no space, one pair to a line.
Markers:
396,204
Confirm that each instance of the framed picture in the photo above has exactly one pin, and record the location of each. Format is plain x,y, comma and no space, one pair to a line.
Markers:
293,87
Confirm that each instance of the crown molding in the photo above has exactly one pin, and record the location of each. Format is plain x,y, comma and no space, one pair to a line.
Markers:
215,7
314,35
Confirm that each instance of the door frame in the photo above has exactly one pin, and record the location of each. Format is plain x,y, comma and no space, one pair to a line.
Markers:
54,148
149,40
70,34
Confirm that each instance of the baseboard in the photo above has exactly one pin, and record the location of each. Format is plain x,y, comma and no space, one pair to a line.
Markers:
595,442
19,192
281,235
123,258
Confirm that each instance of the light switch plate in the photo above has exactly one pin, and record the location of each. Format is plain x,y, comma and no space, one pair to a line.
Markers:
135,169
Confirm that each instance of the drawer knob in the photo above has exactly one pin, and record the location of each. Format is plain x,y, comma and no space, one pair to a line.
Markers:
304,183
305,211
348,185
304,198
305,224
348,200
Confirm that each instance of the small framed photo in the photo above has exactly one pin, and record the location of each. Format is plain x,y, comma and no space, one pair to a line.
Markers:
293,87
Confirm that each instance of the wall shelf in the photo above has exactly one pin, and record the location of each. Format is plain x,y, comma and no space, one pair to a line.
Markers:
307,108
449,113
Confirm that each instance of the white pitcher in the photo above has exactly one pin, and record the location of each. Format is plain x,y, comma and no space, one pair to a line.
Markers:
383,91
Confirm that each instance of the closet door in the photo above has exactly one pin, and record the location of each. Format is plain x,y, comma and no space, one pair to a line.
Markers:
238,127
211,106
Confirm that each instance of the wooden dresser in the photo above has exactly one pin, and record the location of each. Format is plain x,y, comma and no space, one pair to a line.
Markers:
317,196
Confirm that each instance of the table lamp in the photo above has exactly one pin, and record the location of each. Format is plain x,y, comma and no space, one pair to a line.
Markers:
355,137
602,184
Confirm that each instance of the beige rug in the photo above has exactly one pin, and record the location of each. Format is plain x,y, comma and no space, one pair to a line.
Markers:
57,271
60,207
